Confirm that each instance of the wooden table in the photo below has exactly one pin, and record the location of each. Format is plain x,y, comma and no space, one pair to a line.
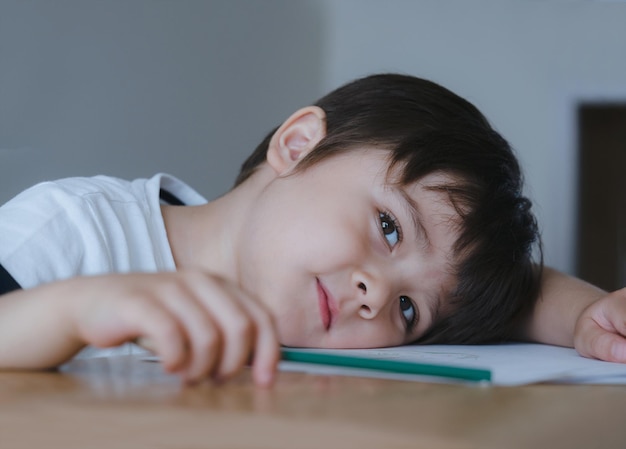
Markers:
128,403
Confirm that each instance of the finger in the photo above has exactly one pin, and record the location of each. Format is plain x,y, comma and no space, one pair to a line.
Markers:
600,343
617,349
238,332
203,335
610,313
264,342
235,322
266,348
152,322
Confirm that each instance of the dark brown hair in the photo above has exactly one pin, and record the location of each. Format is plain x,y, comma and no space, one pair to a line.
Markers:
429,129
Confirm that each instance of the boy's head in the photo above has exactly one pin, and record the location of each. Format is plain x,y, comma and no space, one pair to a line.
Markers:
429,130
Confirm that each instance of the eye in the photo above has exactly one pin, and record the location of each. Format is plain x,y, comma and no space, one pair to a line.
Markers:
408,311
391,229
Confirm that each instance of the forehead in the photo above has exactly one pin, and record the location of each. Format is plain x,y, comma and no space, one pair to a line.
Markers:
430,203
379,161
430,194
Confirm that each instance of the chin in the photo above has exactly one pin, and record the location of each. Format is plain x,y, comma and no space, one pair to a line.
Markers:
294,338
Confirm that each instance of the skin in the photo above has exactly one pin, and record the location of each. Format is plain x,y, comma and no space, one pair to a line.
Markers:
255,264
574,313
323,227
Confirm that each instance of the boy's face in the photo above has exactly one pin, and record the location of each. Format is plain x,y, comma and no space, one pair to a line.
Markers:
344,259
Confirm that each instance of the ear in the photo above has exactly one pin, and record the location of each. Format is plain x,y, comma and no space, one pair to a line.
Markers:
296,138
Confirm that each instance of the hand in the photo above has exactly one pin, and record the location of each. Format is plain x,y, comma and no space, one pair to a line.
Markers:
200,325
601,329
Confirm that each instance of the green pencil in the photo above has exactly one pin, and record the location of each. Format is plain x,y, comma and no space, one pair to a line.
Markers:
391,366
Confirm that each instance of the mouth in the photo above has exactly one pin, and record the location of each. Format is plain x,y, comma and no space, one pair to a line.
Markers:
325,305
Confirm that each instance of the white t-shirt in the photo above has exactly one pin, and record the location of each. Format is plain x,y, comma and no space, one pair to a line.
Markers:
88,226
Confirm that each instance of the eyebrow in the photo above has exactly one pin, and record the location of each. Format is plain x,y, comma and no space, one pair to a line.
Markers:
415,215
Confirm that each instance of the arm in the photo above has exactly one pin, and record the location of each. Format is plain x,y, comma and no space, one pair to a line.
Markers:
36,329
200,325
560,303
571,312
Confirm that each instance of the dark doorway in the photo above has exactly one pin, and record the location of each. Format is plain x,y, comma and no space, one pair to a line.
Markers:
601,251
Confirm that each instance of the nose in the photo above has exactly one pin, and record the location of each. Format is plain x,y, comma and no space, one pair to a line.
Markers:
372,292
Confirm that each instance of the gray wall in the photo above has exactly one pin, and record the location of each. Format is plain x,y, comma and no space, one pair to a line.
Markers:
132,87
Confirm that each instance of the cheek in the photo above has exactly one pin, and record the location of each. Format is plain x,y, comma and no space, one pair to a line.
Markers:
312,235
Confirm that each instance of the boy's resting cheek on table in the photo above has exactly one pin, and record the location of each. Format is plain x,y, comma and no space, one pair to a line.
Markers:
389,212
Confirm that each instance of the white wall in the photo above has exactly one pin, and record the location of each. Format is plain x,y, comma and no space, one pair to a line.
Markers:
523,63
129,88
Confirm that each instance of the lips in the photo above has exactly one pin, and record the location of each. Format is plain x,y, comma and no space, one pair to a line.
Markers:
326,305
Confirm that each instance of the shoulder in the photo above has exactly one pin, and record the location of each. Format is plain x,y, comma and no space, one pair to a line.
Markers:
61,190
141,189
87,225
68,190
72,206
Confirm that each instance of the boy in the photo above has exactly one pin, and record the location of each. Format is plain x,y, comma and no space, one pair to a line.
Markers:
388,213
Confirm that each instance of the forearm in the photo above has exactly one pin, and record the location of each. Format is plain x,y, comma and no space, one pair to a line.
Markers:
36,327
561,301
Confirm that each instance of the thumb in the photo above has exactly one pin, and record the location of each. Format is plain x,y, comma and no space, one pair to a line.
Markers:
594,341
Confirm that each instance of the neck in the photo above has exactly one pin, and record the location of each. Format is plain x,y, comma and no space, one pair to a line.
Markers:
206,237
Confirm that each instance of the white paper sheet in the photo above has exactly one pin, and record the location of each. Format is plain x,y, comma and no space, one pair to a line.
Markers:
510,364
